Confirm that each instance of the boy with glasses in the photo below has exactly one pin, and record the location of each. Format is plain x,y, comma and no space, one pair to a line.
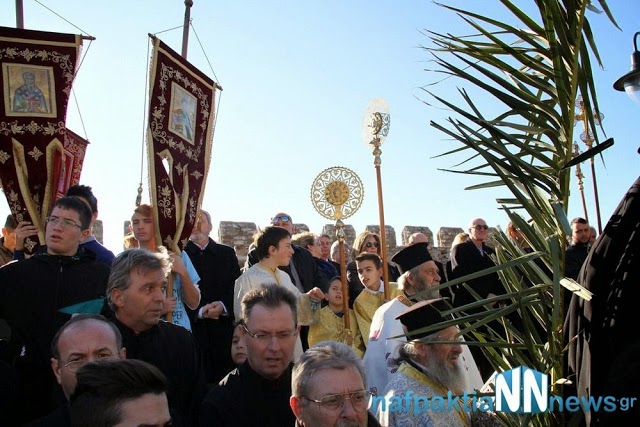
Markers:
34,292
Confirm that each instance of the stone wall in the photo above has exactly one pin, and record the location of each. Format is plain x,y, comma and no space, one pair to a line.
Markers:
239,235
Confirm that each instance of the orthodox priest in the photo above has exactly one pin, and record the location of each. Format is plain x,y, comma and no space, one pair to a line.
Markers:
427,370
419,275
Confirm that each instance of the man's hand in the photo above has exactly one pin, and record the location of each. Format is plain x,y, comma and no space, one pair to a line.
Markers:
212,310
24,229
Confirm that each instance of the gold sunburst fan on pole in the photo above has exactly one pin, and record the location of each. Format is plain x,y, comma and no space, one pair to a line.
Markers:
337,193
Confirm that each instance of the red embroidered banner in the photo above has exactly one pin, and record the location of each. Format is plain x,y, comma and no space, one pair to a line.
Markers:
75,148
36,77
180,136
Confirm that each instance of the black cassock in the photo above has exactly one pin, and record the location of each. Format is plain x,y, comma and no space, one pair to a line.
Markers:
217,266
245,399
606,355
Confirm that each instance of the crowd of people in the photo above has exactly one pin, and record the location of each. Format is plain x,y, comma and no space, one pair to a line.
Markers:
94,339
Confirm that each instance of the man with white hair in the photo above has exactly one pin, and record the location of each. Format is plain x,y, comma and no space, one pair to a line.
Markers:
427,370
327,376
419,276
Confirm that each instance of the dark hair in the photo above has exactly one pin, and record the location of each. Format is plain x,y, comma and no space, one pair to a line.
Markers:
104,386
10,223
270,296
270,236
578,220
76,204
366,256
332,279
83,318
84,192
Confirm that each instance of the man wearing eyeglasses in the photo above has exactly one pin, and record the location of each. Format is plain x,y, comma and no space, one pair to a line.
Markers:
329,388
468,258
85,338
257,392
34,292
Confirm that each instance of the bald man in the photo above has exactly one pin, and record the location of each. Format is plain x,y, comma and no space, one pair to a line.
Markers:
470,257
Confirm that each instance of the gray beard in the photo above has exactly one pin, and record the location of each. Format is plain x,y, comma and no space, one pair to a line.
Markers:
349,423
424,290
451,377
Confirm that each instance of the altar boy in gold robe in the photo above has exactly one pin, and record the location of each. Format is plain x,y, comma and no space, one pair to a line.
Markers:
369,267
329,325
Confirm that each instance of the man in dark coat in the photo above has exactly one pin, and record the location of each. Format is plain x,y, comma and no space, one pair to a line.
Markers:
212,323
605,356
84,338
473,256
578,250
34,292
467,258
257,392
136,295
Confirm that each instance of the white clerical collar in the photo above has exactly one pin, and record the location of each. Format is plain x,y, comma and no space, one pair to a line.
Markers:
202,248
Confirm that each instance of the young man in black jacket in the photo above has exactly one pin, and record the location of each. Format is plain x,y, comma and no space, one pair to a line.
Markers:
35,292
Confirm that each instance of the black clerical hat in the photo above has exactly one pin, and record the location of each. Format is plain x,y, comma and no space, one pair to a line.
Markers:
412,256
423,314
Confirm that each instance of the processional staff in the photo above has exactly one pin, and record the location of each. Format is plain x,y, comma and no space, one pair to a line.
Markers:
375,128
336,194
588,138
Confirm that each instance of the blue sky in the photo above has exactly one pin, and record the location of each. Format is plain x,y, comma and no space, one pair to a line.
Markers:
297,77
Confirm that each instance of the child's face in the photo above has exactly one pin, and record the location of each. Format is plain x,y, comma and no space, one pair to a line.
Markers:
334,294
238,347
369,275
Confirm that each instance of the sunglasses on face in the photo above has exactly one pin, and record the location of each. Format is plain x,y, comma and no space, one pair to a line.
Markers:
281,218
372,244
481,227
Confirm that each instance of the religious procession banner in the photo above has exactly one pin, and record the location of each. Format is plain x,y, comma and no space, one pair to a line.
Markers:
75,148
179,140
38,69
